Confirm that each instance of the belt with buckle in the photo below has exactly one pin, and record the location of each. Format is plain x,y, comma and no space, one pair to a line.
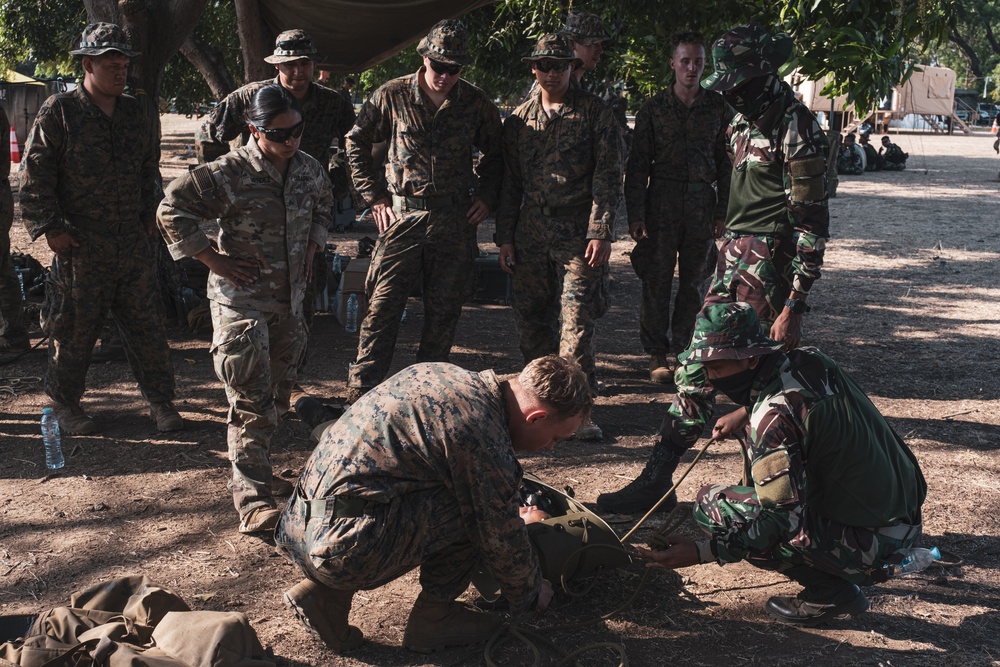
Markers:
427,203
562,211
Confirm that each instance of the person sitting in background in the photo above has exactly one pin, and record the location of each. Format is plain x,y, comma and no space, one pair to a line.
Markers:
893,157
851,160
873,161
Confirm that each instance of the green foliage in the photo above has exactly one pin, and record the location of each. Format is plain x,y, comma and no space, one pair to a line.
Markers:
36,35
183,85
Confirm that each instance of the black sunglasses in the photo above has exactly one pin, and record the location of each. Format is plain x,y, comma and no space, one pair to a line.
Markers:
282,134
442,68
546,66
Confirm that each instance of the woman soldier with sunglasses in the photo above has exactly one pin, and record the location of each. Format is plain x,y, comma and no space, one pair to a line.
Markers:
274,205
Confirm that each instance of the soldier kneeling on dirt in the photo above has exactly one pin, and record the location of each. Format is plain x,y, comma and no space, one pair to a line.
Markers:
834,494
422,471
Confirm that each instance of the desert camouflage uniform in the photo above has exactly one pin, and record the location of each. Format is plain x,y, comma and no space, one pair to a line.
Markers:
11,308
96,178
428,454
893,159
849,161
430,177
562,185
259,331
774,242
678,154
835,489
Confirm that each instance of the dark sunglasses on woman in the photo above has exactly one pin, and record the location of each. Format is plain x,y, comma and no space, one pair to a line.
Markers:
282,134
442,68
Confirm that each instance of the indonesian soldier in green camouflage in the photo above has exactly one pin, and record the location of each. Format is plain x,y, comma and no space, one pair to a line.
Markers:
274,206
836,493
777,223
89,185
893,157
422,472
563,182
850,160
677,163
427,219
13,333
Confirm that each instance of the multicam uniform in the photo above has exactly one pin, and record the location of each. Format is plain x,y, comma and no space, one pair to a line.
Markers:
95,177
834,489
777,224
561,188
11,308
431,182
678,154
259,332
421,472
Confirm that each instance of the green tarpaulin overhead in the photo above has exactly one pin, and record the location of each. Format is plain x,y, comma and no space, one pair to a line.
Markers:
354,35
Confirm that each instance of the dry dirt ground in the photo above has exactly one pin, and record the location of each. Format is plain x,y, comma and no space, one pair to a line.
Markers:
908,303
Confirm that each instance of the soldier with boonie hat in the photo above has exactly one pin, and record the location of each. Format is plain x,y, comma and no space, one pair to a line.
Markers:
99,38
447,42
554,46
292,45
746,52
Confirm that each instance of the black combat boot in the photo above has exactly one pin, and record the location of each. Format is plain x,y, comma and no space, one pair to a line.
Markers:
824,597
314,412
645,490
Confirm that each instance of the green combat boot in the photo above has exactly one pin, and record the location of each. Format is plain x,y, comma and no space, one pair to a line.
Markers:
645,490
438,625
324,610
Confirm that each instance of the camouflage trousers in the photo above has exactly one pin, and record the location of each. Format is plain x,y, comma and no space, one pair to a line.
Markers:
833,550
422,529
438,247
11,306
107,272
679,229
255,356
557,299
756,269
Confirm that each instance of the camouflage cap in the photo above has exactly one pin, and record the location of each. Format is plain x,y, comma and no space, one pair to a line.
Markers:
554,46
727,331
746,52
447,42
292,45
585,28
99,38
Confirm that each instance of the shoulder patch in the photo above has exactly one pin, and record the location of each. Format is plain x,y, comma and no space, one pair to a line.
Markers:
204,178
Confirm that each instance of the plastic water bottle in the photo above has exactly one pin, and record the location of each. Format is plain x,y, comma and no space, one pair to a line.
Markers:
20,282
52,440
338,266
915,560
352,314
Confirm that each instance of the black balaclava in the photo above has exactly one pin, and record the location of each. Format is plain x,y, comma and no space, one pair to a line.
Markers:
753,96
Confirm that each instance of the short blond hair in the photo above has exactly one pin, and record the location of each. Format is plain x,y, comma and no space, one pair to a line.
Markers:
559,383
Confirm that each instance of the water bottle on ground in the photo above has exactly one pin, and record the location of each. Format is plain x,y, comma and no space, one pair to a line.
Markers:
352,314
52,440
20,282
915,560
338,266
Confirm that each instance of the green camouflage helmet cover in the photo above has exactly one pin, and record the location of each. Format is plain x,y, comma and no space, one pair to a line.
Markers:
292,45
99,38
447,42
585,28
554,46
746,52
727,331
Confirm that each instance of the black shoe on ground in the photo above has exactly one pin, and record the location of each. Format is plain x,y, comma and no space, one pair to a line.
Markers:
850,601
645,490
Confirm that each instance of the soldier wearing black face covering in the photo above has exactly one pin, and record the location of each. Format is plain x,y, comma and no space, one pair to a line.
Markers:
777,224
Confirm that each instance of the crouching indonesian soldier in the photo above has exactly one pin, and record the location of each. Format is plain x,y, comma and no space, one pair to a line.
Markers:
422,472
836,493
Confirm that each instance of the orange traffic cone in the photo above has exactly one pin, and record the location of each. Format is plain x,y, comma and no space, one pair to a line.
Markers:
15,151
994,128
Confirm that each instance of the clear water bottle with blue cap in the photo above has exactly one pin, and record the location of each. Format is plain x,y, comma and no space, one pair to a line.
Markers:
916,560
352,314
52,440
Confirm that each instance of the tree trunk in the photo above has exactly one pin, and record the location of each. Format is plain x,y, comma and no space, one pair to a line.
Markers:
255,41
974,64
210,64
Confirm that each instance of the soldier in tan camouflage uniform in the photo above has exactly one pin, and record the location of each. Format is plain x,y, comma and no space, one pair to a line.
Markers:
563,157
422,472
89,185
274,206
427,219
13,334
677,163
777,224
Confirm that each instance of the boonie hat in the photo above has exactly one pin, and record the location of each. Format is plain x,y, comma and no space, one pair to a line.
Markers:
99,38
554,46
585,28
292,45
746,52
447,42
727,331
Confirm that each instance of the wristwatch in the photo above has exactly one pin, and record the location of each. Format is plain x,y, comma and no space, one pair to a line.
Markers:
797,306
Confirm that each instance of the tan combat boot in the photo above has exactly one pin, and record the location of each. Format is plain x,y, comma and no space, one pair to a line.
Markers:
166,417
438,625
660,370
588,430
324,610
259,520
73,420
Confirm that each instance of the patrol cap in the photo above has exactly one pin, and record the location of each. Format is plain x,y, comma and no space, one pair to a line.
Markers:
554,46
447,42
99,38
585,28
292,45
746,52
727,331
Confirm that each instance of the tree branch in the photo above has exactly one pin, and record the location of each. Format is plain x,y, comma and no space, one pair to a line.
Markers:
210,63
